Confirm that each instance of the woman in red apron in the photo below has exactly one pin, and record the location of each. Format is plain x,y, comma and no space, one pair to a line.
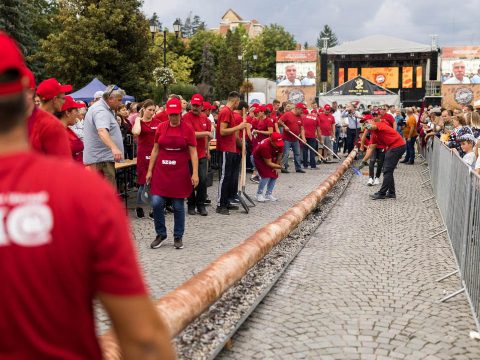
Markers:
169,172
144,128
267,156
69,116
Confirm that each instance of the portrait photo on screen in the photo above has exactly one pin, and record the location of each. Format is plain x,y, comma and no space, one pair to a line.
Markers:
296,74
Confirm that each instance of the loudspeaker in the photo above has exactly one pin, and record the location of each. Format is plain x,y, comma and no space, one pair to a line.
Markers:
433,65
323,67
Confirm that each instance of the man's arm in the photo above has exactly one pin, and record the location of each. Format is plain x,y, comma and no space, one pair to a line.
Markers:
271,164
224,130
141,333
151,164
369,152
107,140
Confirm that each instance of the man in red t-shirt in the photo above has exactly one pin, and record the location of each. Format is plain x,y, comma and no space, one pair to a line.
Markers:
310,125
326,121
388,118
292,123
46,133
395,147
202,127
227,146
53,262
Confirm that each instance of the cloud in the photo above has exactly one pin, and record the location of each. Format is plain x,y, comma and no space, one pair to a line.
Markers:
455,23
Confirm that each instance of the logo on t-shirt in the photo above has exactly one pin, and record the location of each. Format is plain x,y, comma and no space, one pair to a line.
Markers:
25,219
169,162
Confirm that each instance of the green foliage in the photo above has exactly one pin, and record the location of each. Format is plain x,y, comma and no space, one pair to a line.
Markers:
332,38
109,39
195,51
16,21
274,37
186,90
229,72
181,66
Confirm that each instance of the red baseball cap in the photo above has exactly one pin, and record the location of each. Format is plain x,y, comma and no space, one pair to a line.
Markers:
31,78
366,118
305,111
269,107
327,107
260,108
314,111
11,59
71,104
206,106
50,88
174,106
300,105
197,99
277,139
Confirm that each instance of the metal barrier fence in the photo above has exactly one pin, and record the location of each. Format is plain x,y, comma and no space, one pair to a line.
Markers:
457,191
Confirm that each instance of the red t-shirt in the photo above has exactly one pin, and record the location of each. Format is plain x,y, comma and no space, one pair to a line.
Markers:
64,237
161,117
325,122
375,140
389,119
294,123
310,124
76,145
387,136
198,124
47,135
182,130
228,142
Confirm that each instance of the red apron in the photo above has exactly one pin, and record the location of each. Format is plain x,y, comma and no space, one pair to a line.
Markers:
171,174
146,140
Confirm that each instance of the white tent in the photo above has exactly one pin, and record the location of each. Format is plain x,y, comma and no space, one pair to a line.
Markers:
378,44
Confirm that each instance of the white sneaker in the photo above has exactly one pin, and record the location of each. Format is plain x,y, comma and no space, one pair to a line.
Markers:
261,198
270,198
376,181
370,182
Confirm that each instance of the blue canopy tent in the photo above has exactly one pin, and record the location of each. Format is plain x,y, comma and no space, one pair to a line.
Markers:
86,93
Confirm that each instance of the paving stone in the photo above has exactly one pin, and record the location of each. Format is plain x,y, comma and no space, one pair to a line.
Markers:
367,277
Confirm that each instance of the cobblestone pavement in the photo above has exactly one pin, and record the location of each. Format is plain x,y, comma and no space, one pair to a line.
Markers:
208,237
364,287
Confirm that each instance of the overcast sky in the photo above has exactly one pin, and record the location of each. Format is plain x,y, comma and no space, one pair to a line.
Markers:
456,22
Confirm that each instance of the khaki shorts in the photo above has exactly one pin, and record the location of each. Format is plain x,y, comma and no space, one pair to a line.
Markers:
107,169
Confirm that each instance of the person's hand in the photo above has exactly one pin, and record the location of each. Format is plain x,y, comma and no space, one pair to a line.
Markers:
242,125
195,180
209,156
277,171
148,177
117,154
285,128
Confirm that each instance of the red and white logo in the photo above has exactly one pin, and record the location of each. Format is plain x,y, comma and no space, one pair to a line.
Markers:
25,219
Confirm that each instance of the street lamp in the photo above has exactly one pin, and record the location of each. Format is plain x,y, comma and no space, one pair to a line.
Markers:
153,30
240,57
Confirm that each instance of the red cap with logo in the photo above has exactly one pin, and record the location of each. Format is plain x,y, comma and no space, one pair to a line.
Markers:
50,88
71,104
174,106
327,107
197,99
269,107
300,105
11,59
277,139
366,118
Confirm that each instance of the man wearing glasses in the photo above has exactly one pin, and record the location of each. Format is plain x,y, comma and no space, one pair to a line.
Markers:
102,134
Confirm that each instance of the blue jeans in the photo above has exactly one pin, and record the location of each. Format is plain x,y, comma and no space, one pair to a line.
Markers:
269,182
296,154
158,204
306,150
139,195
410,156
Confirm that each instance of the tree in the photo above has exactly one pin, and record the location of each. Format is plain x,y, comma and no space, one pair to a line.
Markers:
109,39
332,38
197,24
195,51
273,37
15,21
181,66
207,72
155,21
229,73
187,26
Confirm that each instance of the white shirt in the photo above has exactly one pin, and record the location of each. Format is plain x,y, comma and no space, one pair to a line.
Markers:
308,82
287,82
469,159
475,79
455,81
337,115
477,164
